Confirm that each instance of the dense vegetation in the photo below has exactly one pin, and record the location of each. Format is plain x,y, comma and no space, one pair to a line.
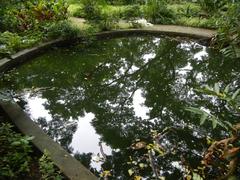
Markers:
24,24
17,160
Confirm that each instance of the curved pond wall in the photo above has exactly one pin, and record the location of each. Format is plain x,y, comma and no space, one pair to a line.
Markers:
27,54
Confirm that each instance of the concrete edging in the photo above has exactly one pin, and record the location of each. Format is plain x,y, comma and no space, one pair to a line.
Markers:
72,168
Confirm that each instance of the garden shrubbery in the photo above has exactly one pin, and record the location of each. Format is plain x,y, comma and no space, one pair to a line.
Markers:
157,12
14,153
25,23
62,29
16,157
97,17
228,39
26,15
212,6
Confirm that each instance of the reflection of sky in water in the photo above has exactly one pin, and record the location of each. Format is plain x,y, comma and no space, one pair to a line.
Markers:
85,139
138,104
36,107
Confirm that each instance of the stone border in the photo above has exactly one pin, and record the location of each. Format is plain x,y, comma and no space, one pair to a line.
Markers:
197,35
72,168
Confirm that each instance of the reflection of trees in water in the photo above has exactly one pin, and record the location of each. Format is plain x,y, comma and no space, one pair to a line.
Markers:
103,80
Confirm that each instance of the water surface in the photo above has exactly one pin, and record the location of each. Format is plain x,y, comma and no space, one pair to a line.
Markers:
97,99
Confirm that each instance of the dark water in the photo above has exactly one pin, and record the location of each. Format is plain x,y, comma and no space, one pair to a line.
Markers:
97,99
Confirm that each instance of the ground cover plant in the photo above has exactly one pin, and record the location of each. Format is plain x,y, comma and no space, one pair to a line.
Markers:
17,160
15,150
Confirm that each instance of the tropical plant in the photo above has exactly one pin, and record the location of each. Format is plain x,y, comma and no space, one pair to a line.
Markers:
47,168
62,29
223,155
132,12
228,38
108,21
15,149
12,42
26,15
211,6
156,11
91,10
103,20
232,99
9,42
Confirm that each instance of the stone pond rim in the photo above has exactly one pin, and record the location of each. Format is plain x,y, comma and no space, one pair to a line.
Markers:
70,167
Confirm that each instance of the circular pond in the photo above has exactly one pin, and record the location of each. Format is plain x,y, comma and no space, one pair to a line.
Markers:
119,105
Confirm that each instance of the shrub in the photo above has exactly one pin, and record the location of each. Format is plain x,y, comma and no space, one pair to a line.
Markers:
47,168
79,13
61,29
9,43
211,6
108,21
26,15
15,149
12,42
228,38
96,17
132,12
91,10
157,12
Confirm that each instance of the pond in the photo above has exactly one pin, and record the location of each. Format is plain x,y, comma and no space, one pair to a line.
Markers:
106,101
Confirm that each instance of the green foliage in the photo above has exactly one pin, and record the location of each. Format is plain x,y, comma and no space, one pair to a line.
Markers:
156,11
26,15
132,12
232,99
48,169
15,149
189,11
61,29
108,21
125,2
9,43
91,10
228,39
211,6
12,42
103,20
